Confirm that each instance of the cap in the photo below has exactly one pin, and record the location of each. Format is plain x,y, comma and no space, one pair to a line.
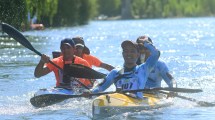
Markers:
79,44
145,38
79,41
127,42
67,41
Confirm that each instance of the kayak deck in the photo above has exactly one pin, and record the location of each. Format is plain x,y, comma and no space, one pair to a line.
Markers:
112,104
46,97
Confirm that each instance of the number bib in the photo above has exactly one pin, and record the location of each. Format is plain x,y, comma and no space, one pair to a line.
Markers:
127,83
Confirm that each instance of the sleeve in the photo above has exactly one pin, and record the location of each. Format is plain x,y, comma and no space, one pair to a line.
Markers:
85,63
164,73
109,79
95,61
153,58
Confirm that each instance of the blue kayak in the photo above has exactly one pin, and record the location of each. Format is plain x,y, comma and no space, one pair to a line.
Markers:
47,97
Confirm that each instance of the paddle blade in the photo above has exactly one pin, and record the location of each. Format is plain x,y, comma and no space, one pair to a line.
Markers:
14,33
182,90
80,71
201,103
48,99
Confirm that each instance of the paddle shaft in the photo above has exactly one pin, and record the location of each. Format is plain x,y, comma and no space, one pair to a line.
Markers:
140,90
49,99
201,103
19,37
183,90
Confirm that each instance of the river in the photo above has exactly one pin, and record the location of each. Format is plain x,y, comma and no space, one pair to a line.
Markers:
186,45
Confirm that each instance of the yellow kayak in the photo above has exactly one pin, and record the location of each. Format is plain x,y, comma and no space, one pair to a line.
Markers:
112,104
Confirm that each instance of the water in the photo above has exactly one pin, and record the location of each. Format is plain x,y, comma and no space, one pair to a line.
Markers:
187,47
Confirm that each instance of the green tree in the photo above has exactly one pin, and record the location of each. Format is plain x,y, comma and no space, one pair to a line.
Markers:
13,12
109,7
43,9
87,10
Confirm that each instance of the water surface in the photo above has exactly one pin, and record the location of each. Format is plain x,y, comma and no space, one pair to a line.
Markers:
186,45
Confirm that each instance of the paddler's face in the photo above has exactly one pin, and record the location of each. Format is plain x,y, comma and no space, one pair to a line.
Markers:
130,54
67,50
79,51
145,51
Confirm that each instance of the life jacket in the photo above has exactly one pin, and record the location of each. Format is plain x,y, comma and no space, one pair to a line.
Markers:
67,81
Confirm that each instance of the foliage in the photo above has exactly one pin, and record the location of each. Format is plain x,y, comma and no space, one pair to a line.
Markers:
55,13
13,12
43,9
109,7
73,12
172,8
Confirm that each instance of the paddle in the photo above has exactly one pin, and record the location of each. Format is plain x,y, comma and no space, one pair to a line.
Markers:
14,33
183,90
201,103
83,71
77,70
50,99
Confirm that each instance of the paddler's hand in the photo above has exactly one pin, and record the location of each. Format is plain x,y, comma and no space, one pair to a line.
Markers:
119,89
44,58
87,94
143,39
141,43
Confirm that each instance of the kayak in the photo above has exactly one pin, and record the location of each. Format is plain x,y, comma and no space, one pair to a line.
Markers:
53,91
46,97
116,103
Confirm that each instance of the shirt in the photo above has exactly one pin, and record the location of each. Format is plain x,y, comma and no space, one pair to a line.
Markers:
157,74
138,76
92,60
59,75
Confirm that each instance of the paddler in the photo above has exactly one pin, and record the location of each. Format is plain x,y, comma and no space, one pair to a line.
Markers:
160,71
67,48
83,51
132,76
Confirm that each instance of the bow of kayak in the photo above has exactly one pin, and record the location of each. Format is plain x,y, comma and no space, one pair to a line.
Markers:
112,104
46,97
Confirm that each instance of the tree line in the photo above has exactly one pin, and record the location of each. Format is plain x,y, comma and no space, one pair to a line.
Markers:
57,13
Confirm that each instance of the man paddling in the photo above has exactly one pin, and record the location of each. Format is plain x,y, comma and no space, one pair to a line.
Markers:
84,52
132,76
67,47
160,71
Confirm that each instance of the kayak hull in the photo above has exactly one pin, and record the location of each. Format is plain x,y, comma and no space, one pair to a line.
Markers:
112,104
61,91
47,97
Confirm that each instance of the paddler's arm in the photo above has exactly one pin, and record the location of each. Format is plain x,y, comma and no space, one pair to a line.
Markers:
106,66
40,69
165,74
98,63
153,58
149,64
170,81
108,81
